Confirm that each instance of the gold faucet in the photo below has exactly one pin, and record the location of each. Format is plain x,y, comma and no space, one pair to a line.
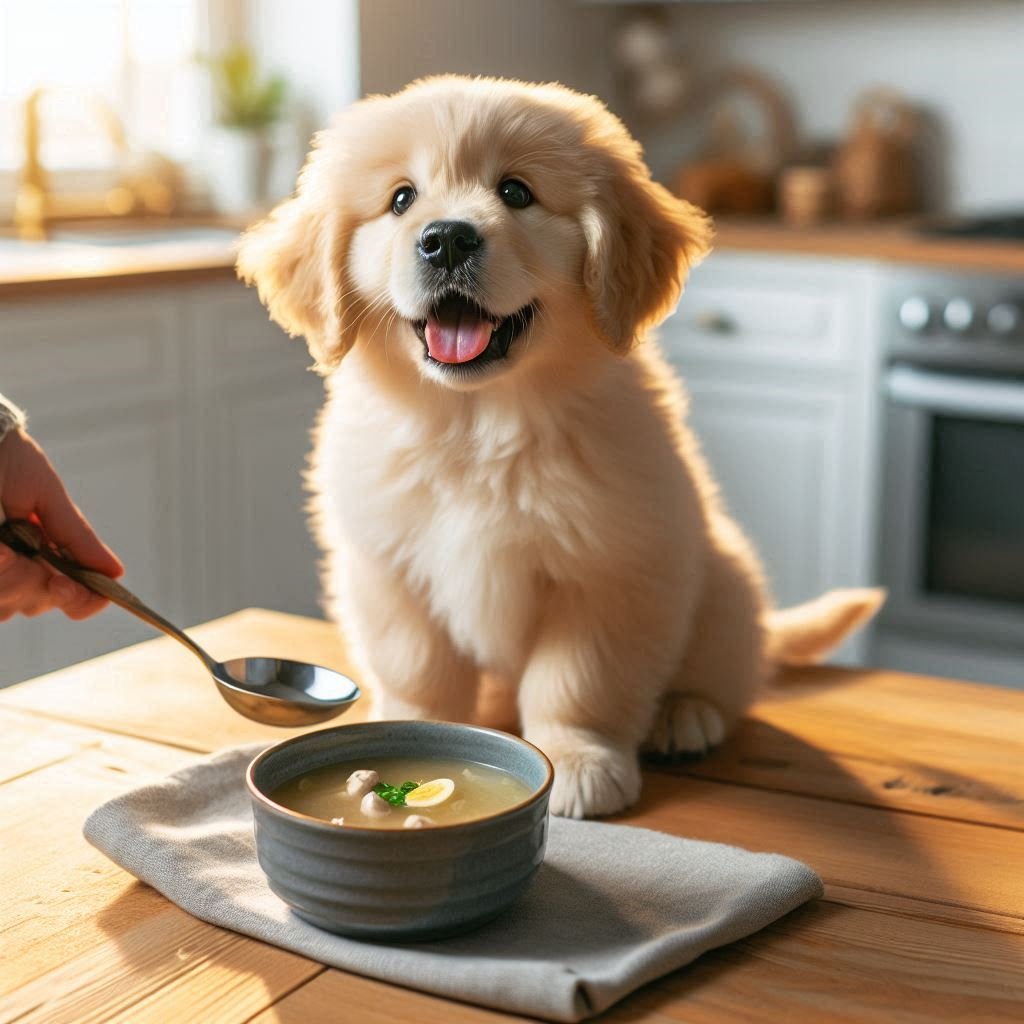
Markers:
148,189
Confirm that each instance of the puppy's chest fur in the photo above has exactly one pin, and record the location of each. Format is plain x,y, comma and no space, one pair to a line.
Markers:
480,512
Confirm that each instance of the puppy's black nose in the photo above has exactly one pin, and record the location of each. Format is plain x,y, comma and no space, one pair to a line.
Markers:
447,243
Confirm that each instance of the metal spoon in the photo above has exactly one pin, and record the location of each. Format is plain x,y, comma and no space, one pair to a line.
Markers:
267,690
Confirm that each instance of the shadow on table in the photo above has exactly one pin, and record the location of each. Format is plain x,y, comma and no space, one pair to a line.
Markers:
763,756
768,789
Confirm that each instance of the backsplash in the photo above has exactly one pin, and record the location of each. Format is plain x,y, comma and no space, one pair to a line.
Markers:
961,63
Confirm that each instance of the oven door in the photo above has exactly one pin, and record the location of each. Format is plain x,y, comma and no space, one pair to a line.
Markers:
953,512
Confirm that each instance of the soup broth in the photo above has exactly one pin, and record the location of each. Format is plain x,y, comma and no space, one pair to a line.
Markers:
402,792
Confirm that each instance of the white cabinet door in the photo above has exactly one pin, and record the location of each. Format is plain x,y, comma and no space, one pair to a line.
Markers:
774,457
780,357
123,471
257,403
783,462
262,553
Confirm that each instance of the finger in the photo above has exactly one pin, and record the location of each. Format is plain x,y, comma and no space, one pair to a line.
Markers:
69,529
26,598
38,605
73,599
21,579
92,604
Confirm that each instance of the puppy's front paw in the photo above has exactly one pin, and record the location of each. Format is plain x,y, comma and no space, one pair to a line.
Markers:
592,780
686,726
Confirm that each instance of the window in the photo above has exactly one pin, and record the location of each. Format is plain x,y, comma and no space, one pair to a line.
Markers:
137,55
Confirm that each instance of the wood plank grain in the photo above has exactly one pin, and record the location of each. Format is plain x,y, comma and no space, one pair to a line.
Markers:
885,739
826,962
892,702
167,967
822,962
958,778
30,743
945,865
893,905
83,940
61,895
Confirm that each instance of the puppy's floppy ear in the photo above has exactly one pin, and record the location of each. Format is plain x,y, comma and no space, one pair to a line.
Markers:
640,242
297,260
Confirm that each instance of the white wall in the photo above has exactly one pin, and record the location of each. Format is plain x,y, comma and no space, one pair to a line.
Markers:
334,50
963,60
537,40
315,45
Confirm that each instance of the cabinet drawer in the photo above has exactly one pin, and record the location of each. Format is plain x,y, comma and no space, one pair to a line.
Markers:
773,313
80,355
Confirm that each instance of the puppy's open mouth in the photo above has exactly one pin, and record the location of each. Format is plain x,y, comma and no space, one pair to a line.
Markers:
459,333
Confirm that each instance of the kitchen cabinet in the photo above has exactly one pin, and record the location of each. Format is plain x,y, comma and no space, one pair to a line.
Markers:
179,419
258,400
780,359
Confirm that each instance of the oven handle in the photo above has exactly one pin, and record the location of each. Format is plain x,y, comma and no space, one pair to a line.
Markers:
962,396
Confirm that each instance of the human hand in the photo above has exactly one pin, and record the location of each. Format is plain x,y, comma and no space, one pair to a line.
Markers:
31,489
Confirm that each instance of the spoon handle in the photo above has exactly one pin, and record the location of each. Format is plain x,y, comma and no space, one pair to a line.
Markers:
27,539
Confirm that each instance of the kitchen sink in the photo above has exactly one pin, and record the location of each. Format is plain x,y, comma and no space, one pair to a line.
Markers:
17,245
120,236
133,236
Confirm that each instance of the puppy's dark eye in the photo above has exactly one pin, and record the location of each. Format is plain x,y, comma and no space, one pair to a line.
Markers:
514,193
402,200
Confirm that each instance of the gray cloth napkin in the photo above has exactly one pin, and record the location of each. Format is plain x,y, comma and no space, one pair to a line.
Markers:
612,907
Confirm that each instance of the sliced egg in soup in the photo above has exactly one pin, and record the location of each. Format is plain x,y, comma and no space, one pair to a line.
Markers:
430,794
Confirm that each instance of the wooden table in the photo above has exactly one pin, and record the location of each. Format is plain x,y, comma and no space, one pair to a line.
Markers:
905,793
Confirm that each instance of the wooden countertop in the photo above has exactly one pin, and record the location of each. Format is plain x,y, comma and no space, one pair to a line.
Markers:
905,793
61,268
61,271
879,242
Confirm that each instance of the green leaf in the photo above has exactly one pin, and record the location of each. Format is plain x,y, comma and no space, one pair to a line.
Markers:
394,795
243,99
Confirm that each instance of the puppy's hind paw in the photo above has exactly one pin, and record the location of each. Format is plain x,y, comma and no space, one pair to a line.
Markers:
685,726
591,781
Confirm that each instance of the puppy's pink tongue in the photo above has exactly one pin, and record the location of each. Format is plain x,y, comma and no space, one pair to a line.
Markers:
457,340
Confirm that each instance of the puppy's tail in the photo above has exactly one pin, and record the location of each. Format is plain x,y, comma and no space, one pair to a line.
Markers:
805,633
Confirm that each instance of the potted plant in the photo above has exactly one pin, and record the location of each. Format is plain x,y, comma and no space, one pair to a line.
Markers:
241,147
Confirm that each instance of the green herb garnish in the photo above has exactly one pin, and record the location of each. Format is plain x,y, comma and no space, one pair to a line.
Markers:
394,795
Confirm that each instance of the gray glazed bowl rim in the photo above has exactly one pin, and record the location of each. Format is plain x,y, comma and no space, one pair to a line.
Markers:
309,820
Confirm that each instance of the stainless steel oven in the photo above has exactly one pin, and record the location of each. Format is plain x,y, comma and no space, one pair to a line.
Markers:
952,551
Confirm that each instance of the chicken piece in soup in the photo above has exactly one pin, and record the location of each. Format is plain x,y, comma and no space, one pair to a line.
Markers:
402,792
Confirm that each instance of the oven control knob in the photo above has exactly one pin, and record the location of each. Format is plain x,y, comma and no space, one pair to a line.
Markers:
959,315
1004,319
915,314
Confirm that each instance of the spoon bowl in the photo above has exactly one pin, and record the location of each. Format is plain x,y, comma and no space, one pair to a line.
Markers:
285,693
271,691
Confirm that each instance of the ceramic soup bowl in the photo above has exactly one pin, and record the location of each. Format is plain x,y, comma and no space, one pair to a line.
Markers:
407,884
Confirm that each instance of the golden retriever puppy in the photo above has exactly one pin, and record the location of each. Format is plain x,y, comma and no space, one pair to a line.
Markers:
504,478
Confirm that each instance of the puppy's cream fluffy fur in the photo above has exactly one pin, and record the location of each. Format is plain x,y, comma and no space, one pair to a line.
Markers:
549,521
